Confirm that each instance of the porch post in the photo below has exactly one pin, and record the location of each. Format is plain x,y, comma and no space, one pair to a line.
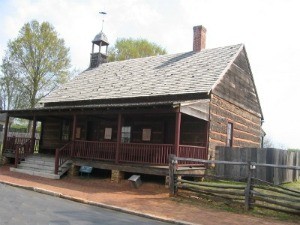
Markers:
74,134
177,133
118,138
33,134
207,140
5,132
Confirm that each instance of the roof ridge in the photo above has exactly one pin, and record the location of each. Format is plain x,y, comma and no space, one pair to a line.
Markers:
171,54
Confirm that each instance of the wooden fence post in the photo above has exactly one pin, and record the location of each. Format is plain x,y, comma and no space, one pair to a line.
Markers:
249,187
172,175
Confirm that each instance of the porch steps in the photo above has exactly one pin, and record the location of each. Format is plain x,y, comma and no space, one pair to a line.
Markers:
42,166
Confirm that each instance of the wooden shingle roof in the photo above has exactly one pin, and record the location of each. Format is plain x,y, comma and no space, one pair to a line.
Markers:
165,75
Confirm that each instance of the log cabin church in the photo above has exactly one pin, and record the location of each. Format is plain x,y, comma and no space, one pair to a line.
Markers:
128,116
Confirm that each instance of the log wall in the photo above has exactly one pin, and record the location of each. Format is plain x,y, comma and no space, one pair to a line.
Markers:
193,131
237,86
235,100
246,126
51,136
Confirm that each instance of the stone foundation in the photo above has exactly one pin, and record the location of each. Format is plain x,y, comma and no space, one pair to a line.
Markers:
4,160
117,175
73,171
167,179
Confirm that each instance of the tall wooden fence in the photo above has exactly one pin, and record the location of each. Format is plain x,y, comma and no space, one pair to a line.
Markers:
259,155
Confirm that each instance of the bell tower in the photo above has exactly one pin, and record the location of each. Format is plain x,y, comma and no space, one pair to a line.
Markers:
99,48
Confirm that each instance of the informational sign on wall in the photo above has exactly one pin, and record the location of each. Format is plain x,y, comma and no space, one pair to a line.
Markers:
146,134
108,133
78,131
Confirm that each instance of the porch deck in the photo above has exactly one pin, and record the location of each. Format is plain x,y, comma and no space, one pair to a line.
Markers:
141,158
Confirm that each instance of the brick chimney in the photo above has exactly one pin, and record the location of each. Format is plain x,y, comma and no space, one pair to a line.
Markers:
199,38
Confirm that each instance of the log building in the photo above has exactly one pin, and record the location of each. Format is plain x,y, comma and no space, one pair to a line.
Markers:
128,116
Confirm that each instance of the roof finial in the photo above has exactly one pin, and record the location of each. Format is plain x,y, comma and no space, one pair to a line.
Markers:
102,13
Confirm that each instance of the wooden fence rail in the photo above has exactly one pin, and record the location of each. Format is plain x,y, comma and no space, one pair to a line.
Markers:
253,192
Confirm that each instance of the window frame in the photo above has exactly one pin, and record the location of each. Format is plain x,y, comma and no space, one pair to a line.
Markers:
124,138
65,130
229,131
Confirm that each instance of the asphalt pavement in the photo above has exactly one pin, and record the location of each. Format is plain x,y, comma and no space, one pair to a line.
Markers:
23,207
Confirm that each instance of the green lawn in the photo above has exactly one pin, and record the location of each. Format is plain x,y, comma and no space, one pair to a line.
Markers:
293,185
237,206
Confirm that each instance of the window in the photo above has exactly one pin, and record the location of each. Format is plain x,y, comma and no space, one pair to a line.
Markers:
126,134
229,134
65,131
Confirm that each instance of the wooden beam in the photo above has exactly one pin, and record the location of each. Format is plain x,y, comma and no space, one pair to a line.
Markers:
119,133
74,127
207,138
74,133
27,114
33,134
177,132
5,132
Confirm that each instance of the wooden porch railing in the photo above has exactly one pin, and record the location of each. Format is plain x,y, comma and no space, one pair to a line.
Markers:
189,151
155,154
21,150
146,153
62,155
12,142
95,150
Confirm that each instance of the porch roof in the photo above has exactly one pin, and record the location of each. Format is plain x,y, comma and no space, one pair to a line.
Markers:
91,106
195,108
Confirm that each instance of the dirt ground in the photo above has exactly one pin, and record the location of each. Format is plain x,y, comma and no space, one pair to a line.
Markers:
150,198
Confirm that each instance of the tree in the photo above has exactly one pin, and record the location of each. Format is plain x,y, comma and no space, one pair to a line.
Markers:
268,142
10,87
131,48
40,61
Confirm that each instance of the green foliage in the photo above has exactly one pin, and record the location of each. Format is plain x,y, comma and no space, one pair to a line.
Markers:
133,48
16,127
40,62
10,90
293,149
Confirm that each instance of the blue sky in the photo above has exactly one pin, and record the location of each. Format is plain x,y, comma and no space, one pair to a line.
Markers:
269,29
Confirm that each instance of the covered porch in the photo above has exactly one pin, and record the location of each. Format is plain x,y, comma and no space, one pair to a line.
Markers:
144,136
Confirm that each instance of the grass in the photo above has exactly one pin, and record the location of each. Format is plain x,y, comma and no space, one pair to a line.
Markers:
236,206
293,185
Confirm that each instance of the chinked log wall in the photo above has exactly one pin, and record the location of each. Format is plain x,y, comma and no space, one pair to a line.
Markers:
246,126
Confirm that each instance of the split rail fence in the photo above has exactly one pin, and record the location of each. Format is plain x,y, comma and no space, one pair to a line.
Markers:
249,191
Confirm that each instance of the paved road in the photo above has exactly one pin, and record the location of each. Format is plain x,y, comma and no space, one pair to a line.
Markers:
22,207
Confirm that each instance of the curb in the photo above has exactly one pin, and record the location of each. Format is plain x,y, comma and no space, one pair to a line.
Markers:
97,204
